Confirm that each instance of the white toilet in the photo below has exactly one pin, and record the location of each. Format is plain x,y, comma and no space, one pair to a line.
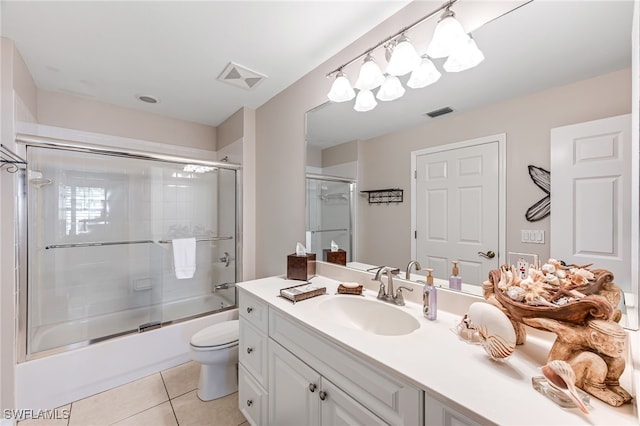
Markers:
216,348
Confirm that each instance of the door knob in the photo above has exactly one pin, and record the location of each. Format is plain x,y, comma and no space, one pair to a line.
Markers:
489,255
249,350
322,395
312,387
249,402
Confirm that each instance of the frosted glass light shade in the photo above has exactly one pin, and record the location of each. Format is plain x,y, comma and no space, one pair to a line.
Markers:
424,75
404,58
365,101
370,75
341,90
464,57
391,89
447,36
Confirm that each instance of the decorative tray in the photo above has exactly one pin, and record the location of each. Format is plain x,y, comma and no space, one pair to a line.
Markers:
302,292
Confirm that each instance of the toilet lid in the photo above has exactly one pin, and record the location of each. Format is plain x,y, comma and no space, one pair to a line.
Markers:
216,335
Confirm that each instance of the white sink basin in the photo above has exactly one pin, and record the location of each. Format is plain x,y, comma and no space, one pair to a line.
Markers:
368,315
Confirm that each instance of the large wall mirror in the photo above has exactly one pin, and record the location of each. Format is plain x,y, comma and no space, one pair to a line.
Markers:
548,64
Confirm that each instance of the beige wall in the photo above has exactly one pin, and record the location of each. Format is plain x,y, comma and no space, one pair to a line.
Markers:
385,161
26,101
340,154
62,110
17,100
230,130
249,211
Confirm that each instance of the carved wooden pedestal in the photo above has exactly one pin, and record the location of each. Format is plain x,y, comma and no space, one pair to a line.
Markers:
589,337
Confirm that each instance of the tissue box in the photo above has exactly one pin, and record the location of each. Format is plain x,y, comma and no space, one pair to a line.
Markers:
339,257
301,267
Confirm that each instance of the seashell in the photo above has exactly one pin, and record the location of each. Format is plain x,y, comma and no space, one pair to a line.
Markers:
561,375
506,277
548,268
497,335
534,291
516,293
584,273
561,273
552,279
578,280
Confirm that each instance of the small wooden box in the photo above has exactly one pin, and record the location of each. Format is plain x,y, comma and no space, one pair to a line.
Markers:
301,267
339,257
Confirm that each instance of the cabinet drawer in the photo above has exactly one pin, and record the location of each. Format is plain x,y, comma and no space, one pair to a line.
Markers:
252,398
253,351
254,310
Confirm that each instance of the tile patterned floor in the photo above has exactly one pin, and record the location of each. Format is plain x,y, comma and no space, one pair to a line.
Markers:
167,398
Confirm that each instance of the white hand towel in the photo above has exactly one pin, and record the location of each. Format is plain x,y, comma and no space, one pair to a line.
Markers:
184,257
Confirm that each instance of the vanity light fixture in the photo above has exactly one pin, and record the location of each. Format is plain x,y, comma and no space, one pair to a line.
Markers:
341,90
425,74
449,41
404,57
365,101
464,57
447,36
370,75
391,89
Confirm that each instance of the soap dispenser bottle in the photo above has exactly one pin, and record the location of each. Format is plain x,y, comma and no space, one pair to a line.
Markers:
455,281
430,298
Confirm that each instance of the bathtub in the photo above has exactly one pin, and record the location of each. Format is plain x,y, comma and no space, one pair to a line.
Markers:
100,327
59,379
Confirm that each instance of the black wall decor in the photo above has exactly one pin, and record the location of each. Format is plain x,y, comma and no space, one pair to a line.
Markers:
542,208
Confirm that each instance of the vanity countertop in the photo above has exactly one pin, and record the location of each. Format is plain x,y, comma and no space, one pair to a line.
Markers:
434,359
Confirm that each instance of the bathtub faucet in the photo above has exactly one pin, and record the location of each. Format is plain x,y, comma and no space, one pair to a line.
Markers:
223,286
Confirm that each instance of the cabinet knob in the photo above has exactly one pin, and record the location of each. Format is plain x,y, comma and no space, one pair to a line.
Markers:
249,403
322,395
312,387
249,350
249,309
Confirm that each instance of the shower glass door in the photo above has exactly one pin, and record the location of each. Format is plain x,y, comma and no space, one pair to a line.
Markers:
100,231
329,215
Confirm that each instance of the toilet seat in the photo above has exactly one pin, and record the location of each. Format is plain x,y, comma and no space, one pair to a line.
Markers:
216,337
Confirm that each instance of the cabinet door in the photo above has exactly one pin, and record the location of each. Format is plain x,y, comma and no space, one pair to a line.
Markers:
437,413
293,389
338,408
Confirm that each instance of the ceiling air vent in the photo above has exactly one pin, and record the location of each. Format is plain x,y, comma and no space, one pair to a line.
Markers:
441,111
240,76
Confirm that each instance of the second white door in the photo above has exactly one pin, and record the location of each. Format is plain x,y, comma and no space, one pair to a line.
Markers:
458,207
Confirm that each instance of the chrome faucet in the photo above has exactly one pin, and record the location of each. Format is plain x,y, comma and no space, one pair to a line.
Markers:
407,274
387,293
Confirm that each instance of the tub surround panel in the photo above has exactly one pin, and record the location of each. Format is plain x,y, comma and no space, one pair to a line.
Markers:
433,359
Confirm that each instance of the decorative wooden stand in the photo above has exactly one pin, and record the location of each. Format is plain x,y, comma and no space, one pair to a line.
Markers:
589,337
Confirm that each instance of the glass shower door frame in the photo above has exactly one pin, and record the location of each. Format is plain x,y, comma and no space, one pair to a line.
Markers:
22,232
352,210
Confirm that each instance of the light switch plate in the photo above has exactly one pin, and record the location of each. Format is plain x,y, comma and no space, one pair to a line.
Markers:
532,236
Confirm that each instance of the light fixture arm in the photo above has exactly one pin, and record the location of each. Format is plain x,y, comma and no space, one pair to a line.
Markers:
446,5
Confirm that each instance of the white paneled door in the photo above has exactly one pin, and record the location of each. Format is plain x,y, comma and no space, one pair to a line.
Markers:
458,207
591,195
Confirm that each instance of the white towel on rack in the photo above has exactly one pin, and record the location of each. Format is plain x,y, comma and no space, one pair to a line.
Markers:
184,257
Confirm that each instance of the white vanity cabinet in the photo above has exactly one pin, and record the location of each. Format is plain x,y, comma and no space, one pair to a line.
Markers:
300,395
290,374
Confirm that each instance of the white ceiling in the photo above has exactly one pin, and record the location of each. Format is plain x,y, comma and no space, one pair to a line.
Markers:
543,44
113,51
